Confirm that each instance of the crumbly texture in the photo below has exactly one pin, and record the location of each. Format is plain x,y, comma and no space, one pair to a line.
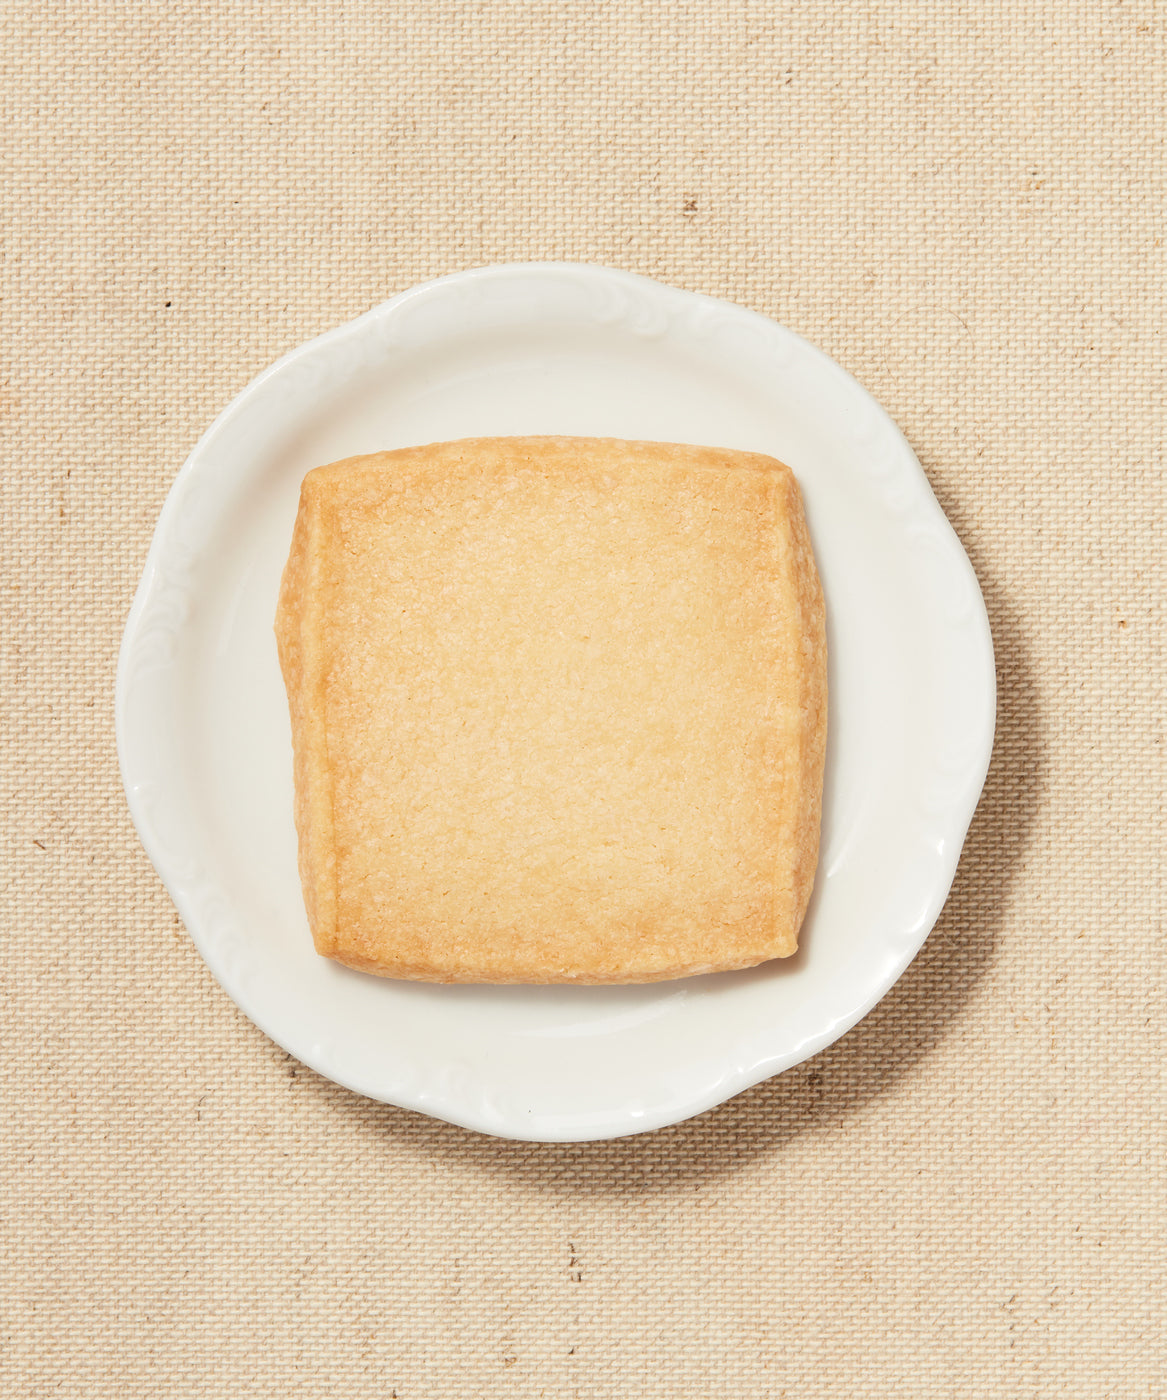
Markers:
558,709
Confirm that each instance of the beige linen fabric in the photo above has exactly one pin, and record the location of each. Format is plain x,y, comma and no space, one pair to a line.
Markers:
963,204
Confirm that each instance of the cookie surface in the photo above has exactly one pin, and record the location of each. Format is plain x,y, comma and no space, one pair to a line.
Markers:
558,709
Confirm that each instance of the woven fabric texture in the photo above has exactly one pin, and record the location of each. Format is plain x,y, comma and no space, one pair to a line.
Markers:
963,204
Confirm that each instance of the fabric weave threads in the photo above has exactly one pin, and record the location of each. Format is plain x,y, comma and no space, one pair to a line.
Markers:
963,1197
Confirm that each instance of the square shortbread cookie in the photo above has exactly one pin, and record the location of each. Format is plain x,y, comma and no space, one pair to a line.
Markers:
558,709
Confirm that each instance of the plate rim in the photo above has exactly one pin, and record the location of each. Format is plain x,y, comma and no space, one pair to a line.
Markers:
737,1078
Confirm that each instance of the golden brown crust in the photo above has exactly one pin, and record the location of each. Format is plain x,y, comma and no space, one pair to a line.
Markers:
299,640
558,708
812,638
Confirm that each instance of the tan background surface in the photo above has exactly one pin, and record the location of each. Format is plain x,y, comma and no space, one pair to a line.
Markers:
965,1196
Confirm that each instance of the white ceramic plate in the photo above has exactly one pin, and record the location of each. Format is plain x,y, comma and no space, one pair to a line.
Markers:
203,729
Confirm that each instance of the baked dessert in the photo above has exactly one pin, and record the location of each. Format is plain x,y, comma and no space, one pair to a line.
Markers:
558,709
